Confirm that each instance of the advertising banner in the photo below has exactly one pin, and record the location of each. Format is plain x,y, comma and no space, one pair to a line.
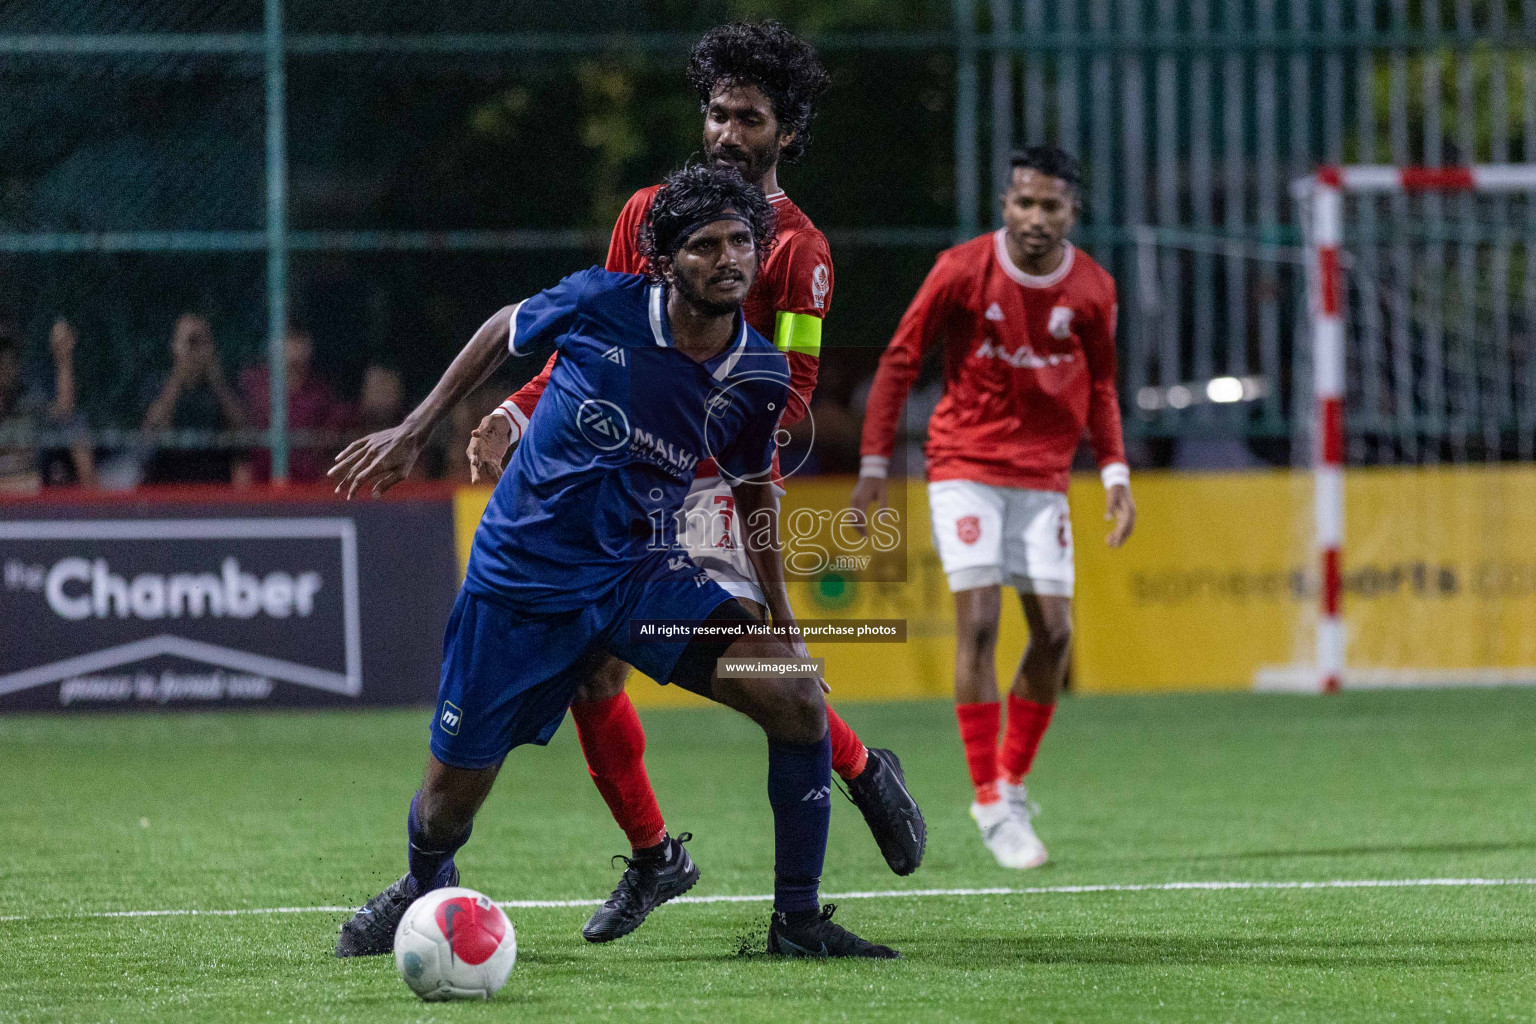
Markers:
223,604
1217,589
837,575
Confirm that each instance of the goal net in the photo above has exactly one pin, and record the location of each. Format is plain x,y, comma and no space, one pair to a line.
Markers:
1421,331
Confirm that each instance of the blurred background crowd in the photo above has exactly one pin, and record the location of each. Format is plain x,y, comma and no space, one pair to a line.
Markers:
184,179
193,418
197,416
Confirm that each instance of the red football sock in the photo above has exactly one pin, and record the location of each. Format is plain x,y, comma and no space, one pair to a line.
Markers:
1027,722
978,731
848,754
614,745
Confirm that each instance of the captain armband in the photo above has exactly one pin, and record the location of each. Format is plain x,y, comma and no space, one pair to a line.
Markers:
797,332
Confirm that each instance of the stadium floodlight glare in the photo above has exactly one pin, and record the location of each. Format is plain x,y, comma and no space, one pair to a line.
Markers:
1224,390
1216,391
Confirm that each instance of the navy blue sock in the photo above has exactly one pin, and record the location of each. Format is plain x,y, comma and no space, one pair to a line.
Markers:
431,862
800,791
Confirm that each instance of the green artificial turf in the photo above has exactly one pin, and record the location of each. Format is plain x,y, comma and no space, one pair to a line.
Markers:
218,812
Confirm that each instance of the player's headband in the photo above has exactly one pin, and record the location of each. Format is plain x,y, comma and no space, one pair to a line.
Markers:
688,229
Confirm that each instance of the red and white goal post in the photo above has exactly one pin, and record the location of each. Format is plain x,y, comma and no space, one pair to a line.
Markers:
1440,372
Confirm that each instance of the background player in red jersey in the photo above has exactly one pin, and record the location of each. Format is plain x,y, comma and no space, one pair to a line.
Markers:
758,84
1028,325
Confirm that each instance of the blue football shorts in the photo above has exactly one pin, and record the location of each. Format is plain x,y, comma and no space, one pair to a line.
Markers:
509,675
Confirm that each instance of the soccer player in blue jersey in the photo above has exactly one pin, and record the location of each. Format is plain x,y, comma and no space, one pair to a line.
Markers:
580,538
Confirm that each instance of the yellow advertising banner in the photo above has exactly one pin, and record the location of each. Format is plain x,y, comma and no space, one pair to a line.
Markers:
1217,586
1440,570
1212,586
1220,584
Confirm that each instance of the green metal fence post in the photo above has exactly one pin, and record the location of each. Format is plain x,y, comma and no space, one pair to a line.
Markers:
966,118
277,241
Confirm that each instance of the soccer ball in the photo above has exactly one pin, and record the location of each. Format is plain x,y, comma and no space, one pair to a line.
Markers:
455,944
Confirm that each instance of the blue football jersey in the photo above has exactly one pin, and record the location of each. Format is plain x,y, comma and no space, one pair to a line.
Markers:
590,496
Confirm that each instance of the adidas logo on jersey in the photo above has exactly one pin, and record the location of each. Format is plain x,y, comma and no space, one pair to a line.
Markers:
994,312
615,355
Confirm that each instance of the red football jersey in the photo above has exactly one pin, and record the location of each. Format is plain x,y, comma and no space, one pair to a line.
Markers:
796,278
1029,362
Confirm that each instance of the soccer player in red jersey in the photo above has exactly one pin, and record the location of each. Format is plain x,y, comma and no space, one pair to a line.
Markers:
1028,327
758,84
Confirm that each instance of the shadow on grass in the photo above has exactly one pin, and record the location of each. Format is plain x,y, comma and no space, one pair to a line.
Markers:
1219,951
1352,851
981,952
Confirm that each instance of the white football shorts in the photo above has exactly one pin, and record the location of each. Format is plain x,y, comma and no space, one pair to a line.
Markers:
988,536
711,532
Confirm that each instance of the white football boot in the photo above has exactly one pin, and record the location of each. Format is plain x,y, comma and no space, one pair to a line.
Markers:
1016,799
1012,842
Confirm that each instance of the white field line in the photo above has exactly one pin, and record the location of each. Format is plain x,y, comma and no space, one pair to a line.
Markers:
1040,890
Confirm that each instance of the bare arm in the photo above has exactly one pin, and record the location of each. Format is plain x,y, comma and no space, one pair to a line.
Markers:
61,340
85,463
192,348
385,458
1120,509
230,405
158,417
490,446
759,514
491,442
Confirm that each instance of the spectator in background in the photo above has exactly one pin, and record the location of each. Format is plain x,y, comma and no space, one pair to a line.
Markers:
75,464
465,417
196,396
23,409
312,407
18,416
381,403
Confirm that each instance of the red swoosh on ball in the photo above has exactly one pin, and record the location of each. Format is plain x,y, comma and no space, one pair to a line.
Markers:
473,932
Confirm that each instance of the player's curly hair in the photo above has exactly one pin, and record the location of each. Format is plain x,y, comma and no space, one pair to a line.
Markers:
1051,160
772,58
694,196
